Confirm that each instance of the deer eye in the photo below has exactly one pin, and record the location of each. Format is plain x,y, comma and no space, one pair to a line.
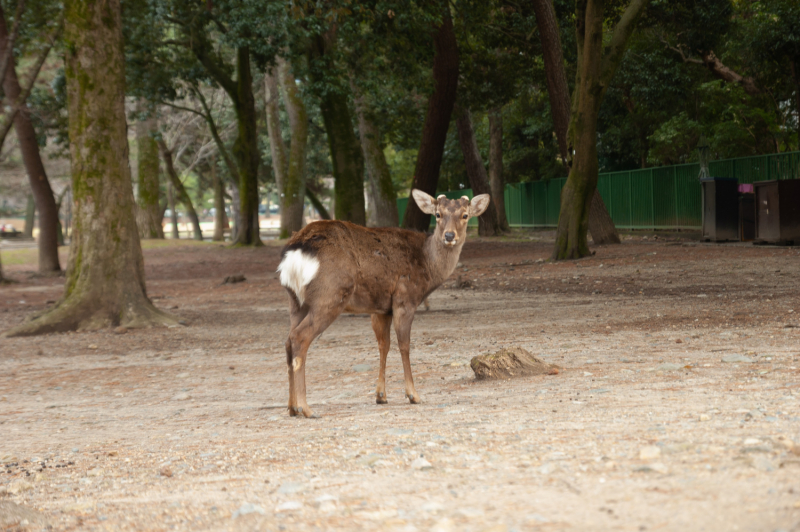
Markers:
465,216
438,215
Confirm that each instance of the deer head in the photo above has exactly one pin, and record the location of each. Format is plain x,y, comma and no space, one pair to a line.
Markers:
451,215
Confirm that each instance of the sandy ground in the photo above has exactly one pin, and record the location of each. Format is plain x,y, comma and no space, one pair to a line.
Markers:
677,408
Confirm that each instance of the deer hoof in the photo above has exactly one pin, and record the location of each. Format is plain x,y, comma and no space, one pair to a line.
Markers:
380,398
413,399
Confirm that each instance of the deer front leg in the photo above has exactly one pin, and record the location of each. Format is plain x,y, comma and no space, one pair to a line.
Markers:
402,325
382,325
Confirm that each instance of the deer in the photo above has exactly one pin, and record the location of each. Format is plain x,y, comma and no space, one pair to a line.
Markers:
330,267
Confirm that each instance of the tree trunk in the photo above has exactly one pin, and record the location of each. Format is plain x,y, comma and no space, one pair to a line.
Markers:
315,201
31,157
219,204
382,197
105,283
600,223
276,145
293,188
30,217
437,120
235,203
597,63
246,152
478,181
345,149
180,190
173,213
496,166
149,210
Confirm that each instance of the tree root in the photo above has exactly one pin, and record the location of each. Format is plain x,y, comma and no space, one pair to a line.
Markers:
69,315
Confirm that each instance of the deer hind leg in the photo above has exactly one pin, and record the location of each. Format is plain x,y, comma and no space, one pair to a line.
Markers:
314,323
402,326
382,325
297,314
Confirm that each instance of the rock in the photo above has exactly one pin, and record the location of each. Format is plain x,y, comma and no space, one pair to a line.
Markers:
182,396
361,368
165,471
421,464
510,362
14,515
233,279
735,359
248,508
289,506
650,452
120,330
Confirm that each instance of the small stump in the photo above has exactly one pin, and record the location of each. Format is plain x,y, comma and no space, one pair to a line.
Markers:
510,362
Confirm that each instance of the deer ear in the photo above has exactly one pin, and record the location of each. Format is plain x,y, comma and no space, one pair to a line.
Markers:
426,203
478,204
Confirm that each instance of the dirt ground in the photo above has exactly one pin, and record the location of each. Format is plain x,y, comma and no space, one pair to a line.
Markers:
677,407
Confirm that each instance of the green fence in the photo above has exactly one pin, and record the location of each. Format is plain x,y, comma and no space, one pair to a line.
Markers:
668,197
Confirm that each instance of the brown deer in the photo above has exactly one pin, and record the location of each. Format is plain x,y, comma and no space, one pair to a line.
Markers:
330,267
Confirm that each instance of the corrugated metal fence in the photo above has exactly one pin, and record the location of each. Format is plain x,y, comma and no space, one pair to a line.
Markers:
668,197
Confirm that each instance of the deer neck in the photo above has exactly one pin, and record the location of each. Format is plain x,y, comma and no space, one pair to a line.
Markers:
441,259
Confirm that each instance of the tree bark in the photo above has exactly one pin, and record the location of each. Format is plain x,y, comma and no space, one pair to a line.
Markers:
30,217
105,283
315,201
293,188
496,180
149,209
276,145
246,152
345,148
31,157
437,120
597,65
478,181
219,204
600,223
173,213
380,189
179,189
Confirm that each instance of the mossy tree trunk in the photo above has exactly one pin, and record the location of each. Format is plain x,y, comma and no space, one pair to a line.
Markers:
245,147
276,145
180,190
496,180
600,223
105,283
345,149
488,224
596,66
173,212
148,214
437,119
30,217
219,204
37,177
292,191
380,189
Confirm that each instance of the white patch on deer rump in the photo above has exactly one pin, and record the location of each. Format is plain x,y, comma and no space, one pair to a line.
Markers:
297,270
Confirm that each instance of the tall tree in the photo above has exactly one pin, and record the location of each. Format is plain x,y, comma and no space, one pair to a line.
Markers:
148,214
380,189
437,119
596,65
346,155
293,186
220,219
600,223
488,224
31,157
105,283
180,190
496,166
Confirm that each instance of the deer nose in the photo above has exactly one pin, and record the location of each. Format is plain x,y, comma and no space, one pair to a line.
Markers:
449,236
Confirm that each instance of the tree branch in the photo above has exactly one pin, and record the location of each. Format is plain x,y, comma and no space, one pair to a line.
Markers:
226,156
200,49
12,38
612,58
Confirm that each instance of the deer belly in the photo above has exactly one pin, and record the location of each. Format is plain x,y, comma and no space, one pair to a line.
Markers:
369,301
